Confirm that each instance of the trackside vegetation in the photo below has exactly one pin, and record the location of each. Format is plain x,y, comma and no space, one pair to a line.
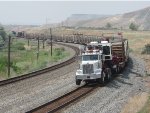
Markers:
146,49
24,58
146,108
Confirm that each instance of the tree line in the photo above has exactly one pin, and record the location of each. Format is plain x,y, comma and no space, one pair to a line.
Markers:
132,26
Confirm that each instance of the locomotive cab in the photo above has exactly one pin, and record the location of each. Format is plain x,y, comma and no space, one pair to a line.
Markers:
106,49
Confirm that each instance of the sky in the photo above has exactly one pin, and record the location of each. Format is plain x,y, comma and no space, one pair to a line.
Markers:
37,12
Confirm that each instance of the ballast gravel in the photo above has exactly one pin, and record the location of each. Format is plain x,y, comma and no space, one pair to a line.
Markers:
25,95
112,97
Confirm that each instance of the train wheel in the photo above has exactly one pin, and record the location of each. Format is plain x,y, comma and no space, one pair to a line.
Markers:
102,79
86,82
78,82
108,74
117,70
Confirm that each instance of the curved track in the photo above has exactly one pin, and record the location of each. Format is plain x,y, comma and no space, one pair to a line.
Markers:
48,69
61,102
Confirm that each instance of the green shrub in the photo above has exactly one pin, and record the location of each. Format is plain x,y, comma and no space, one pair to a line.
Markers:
16,68
57,52
146,49
108,25
133,27
62,49
46,53
21,66
3,63
130,50
43,64
18,46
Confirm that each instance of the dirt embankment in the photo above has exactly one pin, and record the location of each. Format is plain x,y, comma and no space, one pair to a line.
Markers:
140,102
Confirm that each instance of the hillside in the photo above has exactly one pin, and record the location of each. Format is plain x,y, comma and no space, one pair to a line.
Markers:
81,19
140,17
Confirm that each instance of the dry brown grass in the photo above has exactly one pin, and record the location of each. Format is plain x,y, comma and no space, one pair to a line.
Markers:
135,103
137,42
146,58
146,107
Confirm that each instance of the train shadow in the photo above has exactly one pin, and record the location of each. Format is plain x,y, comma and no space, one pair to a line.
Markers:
92,84
130,69
119,79
116,83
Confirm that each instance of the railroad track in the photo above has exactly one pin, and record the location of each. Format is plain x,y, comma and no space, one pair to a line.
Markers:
39,72
63,101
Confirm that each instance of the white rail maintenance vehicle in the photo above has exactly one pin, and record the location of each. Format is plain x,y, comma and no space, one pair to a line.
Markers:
100,60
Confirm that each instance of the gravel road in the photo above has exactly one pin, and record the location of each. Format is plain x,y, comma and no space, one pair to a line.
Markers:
112,97
28,94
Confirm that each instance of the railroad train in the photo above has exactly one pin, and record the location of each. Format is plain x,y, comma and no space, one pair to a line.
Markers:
101,56
67,38
111,54
20,34
77,38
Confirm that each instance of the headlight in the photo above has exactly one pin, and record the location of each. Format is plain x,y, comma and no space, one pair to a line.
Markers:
114,66
97,71
79,72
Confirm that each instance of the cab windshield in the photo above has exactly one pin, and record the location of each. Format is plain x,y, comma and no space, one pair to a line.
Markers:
89,57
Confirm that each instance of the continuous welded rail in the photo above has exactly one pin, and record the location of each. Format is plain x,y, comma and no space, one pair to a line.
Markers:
48,69
61,102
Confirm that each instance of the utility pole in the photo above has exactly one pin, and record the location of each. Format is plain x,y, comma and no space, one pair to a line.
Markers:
28,41
9,41
27,36
51,40
38,48
43,41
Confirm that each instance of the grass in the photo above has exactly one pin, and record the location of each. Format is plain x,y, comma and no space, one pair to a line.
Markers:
146,108
1,40
24,57
146,49
135,103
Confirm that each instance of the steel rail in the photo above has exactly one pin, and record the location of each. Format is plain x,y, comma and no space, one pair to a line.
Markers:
62,101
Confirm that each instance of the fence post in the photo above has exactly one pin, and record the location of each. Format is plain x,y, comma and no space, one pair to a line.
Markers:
38,48
28,36
51,40
43,41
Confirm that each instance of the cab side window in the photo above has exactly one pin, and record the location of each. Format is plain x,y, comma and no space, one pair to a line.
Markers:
106,50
